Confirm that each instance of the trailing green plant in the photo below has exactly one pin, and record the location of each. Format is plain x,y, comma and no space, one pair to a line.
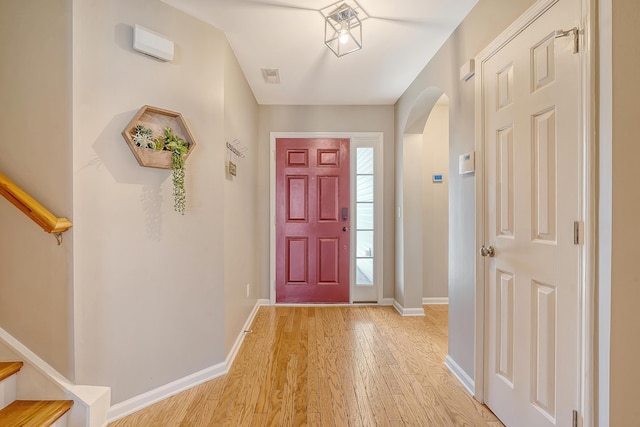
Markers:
178,148
179,192
143,137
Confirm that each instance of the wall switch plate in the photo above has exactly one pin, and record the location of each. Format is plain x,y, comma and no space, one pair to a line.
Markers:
248,290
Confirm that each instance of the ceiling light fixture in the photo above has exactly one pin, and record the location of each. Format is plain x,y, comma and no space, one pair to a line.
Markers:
343,27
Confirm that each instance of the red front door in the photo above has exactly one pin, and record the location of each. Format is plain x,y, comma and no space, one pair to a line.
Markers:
312,220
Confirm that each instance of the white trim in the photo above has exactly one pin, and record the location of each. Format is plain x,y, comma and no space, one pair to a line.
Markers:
386,301
408,312
272,199
460,374
236,346
512,31
8,391
602,78
375,142
306,304
143,400
588,211
435,301
90,402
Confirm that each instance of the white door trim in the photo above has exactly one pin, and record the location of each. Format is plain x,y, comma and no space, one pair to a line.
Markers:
588,205
378,211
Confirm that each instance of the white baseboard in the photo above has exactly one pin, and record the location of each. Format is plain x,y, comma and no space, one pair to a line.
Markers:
435,301
90,402
143,400
386,301
407,312
460,374
236,346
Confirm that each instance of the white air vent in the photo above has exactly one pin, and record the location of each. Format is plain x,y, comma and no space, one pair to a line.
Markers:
271,75
152,43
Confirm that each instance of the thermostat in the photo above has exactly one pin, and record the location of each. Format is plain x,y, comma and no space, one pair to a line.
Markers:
467,163
437,178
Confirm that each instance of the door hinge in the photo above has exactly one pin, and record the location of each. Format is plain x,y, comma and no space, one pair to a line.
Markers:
577,232
574,419
575,32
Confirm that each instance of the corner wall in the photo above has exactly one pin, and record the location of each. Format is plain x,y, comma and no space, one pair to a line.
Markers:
35,115
435,205
149,283
620,150
485,21
241,240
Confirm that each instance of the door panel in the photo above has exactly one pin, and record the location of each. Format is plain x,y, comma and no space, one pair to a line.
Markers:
297,261
328,198
531,96
312,234
297,198
329,262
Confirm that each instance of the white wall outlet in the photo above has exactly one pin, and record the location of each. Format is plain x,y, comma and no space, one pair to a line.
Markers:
248,290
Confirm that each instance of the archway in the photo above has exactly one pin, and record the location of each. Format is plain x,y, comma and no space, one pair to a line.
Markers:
422,205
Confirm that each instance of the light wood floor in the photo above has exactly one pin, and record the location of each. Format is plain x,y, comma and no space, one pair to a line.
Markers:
330,366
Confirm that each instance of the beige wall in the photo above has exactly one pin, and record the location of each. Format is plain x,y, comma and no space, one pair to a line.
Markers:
409,234
35,115
624,281
325,119
241,240
150,295
435,203
486,20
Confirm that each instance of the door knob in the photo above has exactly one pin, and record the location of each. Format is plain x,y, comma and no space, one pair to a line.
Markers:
344,228
489,251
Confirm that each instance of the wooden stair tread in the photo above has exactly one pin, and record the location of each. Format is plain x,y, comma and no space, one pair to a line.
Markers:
33,413
9,368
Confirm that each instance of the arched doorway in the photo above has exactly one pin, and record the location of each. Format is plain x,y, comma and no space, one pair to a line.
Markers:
422,260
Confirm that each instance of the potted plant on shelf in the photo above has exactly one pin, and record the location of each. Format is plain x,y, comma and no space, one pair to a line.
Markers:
143,138
161,139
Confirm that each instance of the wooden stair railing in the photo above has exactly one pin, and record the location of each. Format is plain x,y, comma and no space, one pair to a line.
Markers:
34,210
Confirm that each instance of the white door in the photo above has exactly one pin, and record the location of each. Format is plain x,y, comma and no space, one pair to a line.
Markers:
531,101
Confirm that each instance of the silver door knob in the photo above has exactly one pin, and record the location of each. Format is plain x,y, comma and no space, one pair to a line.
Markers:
489,251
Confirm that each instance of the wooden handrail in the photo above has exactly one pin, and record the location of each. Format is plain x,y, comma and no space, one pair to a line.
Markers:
34,210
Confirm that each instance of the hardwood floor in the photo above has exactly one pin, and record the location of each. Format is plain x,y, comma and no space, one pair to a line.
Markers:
330,366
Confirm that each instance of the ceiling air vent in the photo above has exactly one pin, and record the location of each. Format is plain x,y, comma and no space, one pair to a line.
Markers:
271,75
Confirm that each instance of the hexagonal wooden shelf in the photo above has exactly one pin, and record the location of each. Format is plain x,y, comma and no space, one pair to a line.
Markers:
157,119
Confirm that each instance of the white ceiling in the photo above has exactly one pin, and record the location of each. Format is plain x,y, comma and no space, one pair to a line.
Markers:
399,38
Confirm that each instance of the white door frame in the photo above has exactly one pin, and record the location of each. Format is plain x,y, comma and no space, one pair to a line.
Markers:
378,205
588,200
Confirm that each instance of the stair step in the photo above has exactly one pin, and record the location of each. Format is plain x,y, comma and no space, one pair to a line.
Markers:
9,368
33,413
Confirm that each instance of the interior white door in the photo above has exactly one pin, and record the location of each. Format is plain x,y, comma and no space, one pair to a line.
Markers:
531,101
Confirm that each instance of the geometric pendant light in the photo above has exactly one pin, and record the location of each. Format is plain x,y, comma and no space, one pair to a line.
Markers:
343,27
